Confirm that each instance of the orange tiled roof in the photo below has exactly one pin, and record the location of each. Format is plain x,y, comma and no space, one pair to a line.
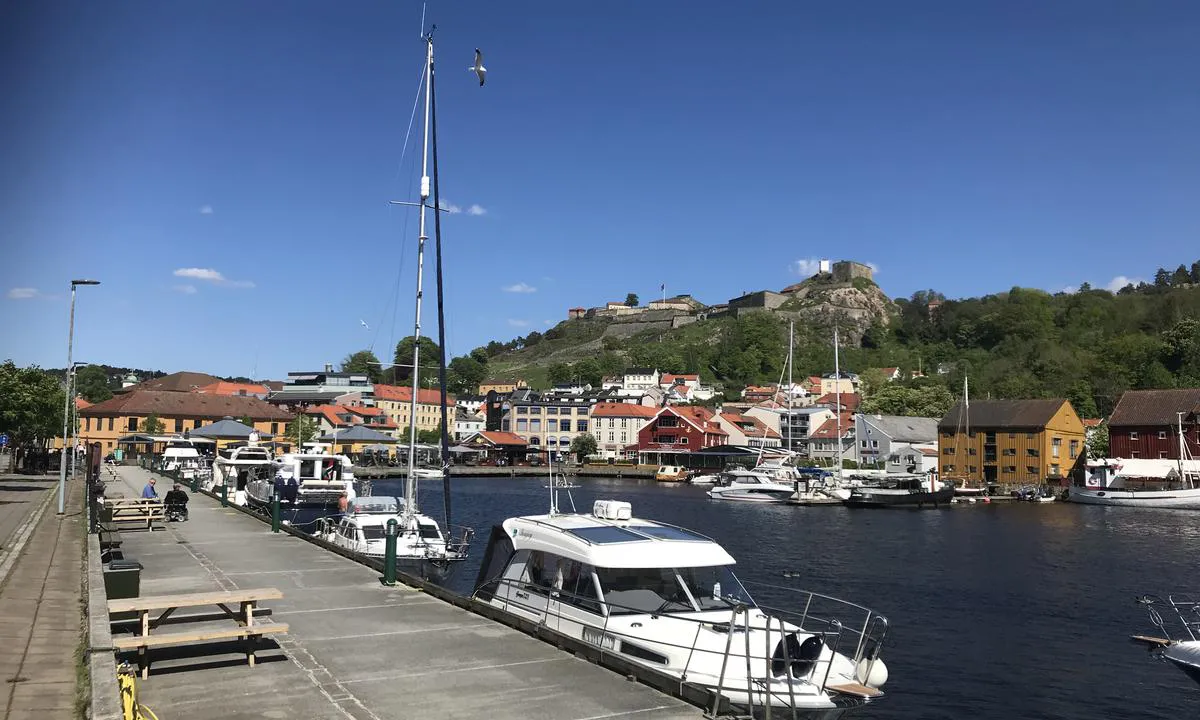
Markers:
850,401
622,410
700,416
402,393
828,429
224,387
80,403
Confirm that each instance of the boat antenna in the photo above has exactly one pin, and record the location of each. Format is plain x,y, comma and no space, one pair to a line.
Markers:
441,313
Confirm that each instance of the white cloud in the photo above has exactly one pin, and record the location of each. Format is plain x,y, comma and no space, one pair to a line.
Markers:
1121,281
449,207
806,267
874,267
476,210
212,276
22,293
548,322
206,210
518,323
185,289
519,288
1070,289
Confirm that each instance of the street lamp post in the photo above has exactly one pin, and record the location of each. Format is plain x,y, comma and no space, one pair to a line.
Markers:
62,470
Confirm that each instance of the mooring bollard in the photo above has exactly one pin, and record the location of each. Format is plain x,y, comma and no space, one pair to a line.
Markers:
224,495
275,512
389,552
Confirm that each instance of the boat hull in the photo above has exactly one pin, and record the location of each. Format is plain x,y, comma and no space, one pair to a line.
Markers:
1188,499
871,498
750,496
1186,657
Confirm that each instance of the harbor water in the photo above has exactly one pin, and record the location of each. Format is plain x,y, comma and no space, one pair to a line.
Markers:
1001,611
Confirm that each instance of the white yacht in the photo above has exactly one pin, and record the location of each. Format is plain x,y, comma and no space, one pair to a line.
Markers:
319,479
362,530
238,468
810,486
1183,653
750,486
666,598
180,455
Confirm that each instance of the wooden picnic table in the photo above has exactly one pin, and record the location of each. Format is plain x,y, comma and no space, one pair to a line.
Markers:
133,512
246,600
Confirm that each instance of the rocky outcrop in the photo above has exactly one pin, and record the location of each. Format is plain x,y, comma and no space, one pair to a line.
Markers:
853,307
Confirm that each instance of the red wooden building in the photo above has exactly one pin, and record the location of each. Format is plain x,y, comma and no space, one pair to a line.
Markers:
679,429
1145,424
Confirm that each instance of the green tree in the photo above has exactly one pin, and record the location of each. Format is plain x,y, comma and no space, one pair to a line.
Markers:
152,425
246,420
1194,275
301,430
1181,277
583,445
91,384
1162,278
365,362
631,300
465,374
1097,442
402,370
31,405
559,373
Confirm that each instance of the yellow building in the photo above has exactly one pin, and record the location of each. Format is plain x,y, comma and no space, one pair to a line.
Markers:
502,387
396,401
1011,441
177,412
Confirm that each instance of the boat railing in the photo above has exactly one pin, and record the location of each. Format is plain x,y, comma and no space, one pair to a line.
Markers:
1186,609
854,631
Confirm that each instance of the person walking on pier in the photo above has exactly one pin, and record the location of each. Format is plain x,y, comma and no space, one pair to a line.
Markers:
343,503
148,492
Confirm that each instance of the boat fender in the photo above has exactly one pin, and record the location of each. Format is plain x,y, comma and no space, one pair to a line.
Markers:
878,673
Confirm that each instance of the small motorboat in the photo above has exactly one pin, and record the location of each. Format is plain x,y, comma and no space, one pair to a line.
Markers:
750,486
671,473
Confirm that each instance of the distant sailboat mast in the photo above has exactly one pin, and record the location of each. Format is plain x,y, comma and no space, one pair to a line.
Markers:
837,389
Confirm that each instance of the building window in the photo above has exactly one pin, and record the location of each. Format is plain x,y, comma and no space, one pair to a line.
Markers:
535,440
1055,447
668,421
522,425
551,411
1031,469
972,451
948,468
612,437
947,451
972,468
624,438
178,425
110,427
862,443
1162,434
1009,451
612,422
874,443
133,422
947,435
535,411
1162,454
504,426
1054,472
564,425
1074,449
522,410
1029,436
1009,469
1012,436
683,440
1032,452
624,422
87,424
581,425
1133,435
1135,454
665,439
535,425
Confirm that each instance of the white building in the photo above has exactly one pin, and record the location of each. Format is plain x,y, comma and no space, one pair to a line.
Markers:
877,436
615,425
641,379
747,430
794,425
466,424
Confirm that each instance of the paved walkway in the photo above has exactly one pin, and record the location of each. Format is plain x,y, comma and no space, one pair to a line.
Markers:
355,649
40,611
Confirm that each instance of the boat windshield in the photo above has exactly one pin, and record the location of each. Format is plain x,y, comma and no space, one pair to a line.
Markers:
372,532
656,590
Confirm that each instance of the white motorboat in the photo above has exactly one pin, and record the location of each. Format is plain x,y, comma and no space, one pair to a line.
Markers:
666,598
362,530
181,456
306,479
706,479
1183,653
1176,483
237,468
750,486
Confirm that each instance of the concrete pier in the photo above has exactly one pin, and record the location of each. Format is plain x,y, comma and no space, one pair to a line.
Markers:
355,649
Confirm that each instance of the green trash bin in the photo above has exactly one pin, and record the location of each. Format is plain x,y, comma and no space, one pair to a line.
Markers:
122,580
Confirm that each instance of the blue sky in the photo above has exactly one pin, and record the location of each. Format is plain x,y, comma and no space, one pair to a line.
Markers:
225,167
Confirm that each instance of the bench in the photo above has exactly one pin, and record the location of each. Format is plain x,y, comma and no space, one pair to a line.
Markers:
133,512
246,600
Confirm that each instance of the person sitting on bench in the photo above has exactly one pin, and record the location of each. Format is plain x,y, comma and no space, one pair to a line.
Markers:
176,502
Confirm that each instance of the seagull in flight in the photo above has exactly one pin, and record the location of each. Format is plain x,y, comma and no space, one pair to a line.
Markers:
364,324
478,67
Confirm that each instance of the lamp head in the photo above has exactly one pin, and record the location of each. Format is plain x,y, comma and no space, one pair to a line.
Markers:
84,282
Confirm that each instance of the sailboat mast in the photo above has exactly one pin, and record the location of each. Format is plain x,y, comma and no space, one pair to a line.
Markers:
837,394
410,486
1183,479
791,387
441,314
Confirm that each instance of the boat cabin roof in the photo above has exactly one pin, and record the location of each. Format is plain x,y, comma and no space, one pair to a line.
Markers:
632,543
376,504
